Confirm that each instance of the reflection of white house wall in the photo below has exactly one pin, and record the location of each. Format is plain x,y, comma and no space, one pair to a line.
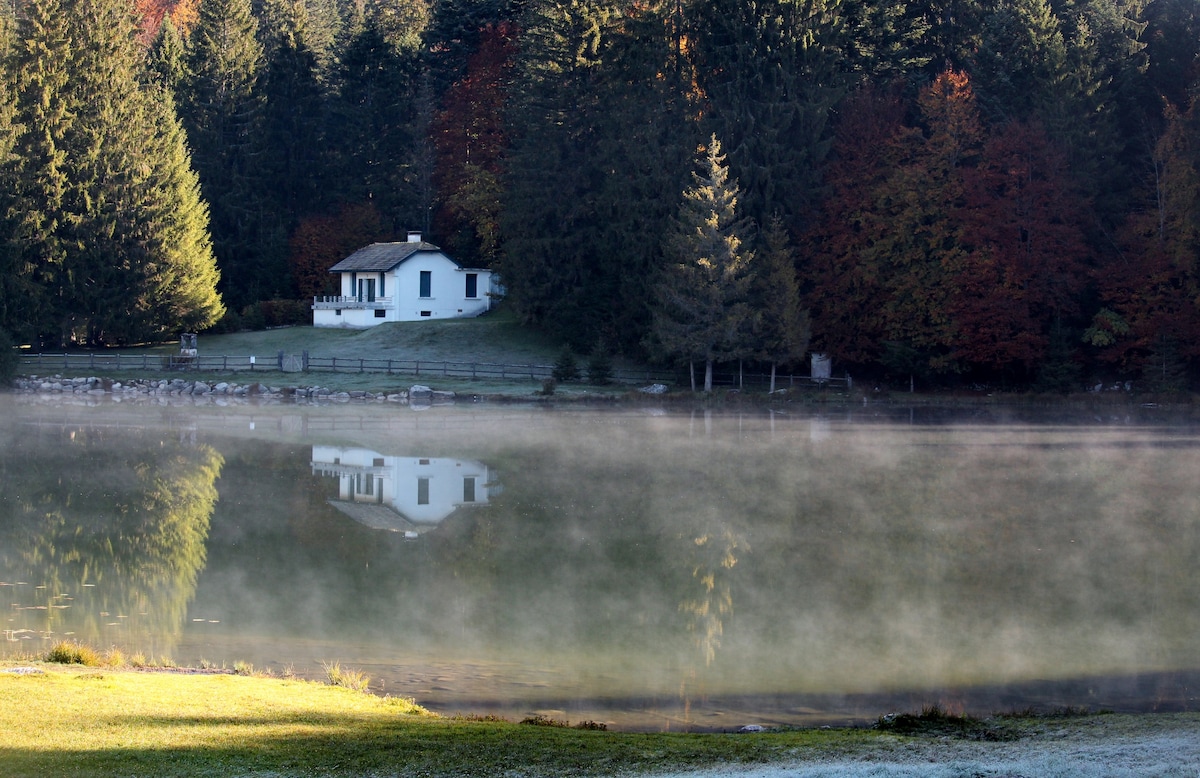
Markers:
423,490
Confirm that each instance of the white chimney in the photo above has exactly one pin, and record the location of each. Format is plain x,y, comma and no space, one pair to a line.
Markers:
414,237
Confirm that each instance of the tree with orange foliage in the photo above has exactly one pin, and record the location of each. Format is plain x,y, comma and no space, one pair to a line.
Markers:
319,242
469,142
1025,251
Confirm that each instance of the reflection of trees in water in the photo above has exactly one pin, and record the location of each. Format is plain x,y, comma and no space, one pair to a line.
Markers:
712,556
116,520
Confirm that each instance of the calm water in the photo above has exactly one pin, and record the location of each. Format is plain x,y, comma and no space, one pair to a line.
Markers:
647,569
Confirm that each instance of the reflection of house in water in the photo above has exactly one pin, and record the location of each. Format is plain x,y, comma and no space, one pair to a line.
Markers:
409,495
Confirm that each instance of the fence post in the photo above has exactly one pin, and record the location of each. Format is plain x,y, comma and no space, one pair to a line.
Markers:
418,368
304,356
360,365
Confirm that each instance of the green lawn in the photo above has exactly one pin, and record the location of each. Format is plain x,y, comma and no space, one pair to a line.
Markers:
71,720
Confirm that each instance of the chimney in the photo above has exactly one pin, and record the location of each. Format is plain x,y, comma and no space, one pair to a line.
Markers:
414,237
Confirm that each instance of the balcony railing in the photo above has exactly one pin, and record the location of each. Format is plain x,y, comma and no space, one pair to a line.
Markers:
326,302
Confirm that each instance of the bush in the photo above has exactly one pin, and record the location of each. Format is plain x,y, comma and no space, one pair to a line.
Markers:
565,368
68,652
9,358
348,679
600,366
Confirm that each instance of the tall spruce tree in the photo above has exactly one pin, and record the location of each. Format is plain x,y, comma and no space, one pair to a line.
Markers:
780,325
41,68
703,312
291,140
222,113
97,192
595,166
376,133
771,74
551,249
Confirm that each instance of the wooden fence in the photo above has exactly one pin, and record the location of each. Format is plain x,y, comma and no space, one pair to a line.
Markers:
303,363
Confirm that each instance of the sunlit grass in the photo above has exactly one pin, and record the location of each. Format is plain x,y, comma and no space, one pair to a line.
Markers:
70,719
83,721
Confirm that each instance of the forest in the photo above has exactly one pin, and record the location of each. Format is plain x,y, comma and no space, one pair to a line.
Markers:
941,192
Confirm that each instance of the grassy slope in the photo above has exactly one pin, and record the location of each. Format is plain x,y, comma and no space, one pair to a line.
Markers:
496,338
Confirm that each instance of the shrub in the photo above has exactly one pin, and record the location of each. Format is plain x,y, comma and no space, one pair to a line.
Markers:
600,366
9,358
68,652
543,721
349,679
565,368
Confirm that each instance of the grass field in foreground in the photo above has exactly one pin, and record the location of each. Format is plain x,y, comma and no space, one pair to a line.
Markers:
98,721
71,720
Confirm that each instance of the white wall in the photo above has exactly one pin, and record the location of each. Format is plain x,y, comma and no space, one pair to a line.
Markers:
447,298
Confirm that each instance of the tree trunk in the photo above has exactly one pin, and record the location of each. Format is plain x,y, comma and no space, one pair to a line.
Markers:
772,379
708,375
692,373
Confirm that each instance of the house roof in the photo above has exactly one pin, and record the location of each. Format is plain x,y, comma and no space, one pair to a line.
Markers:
381,257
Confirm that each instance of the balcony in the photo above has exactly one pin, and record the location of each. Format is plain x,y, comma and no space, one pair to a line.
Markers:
326,302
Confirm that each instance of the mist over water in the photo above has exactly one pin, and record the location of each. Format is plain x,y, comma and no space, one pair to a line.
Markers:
650,569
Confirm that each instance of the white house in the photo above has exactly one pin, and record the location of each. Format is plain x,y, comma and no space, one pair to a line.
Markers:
406,495
407,281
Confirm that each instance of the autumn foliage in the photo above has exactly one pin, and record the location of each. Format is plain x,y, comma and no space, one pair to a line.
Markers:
956,244
321,241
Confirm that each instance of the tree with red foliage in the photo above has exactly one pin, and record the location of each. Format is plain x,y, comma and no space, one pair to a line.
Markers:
469,143
842,291
1024,251
321,241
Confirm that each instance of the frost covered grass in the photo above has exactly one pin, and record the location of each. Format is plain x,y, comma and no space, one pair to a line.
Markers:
84,721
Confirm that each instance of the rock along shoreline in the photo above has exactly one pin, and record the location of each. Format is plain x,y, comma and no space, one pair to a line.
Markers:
223,391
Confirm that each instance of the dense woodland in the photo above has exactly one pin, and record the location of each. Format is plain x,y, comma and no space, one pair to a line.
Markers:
942,191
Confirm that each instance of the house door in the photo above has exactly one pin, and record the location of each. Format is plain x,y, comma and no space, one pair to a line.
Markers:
366,290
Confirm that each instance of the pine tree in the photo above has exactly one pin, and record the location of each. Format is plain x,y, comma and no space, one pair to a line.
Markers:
291,139
222,113
168,59
770,74
703,313
375,132
781,326
40,66
594,167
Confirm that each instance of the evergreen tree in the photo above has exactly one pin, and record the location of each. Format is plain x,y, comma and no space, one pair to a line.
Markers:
222,112
168,59
40,66
594,166
377,129
291,140
126,270
703,313
770,74
781,328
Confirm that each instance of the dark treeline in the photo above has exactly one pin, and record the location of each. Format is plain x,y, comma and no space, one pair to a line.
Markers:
1001,191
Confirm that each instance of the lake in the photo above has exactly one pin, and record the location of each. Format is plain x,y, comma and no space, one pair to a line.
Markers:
647,568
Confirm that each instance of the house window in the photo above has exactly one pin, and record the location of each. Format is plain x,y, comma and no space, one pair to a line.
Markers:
472,285
337,311
422,491
469,489
380,313
426,283
426,313
377,462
